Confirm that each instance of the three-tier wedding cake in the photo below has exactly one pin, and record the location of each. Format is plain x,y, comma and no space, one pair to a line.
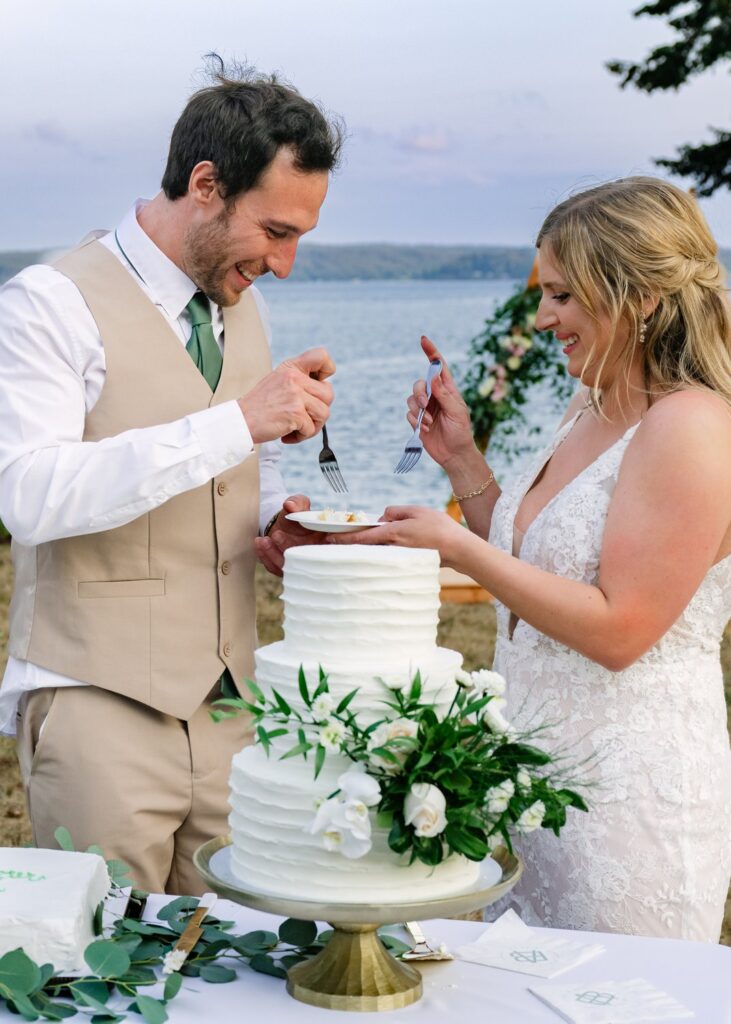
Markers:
368,616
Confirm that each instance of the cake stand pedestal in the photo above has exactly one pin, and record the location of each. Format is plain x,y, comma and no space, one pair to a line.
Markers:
354,971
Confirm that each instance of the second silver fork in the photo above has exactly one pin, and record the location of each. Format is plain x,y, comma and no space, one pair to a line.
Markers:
329,466
414,448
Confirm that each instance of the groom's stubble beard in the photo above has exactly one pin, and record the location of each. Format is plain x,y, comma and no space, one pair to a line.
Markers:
207,261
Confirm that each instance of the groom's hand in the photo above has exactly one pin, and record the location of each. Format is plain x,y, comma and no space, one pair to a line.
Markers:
285,534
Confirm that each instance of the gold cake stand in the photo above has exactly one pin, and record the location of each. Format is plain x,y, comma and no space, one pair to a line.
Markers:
354,971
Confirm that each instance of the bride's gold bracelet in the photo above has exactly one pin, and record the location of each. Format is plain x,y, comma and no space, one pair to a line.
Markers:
478,492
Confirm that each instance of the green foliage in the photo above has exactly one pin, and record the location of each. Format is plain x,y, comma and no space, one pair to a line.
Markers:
466,752
130,958
702,41
505,361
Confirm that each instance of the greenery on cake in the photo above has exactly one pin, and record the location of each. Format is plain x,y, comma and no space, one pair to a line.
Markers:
457,781
133,956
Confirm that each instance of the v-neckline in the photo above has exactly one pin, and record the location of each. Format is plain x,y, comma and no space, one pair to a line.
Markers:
560,436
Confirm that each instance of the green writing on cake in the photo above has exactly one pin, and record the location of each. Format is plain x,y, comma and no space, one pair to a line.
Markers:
23,876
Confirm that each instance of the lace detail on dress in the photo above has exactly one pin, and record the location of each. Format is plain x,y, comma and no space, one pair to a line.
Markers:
652,856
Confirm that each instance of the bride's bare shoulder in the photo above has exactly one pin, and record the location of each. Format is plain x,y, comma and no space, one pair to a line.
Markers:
688,421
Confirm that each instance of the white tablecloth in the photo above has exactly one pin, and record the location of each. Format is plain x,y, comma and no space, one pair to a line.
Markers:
697,974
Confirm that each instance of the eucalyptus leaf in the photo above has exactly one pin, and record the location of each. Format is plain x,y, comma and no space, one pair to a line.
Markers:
291,960
82,995
119,872
216,974
298,933
153,1010
63,838
106,959
51,1010
180,905
262,963
262,939
96,990
25,1007
172,985
19,974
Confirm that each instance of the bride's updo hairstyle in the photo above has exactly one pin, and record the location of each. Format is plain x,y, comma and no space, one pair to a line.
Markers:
637,239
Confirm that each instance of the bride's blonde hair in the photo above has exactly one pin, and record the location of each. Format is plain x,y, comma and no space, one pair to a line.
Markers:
638,239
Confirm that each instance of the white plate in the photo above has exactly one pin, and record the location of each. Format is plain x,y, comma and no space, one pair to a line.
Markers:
311,521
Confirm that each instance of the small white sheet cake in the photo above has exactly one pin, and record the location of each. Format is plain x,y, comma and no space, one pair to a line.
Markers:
47,903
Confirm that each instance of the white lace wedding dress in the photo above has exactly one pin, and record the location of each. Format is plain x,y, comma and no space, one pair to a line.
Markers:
653,855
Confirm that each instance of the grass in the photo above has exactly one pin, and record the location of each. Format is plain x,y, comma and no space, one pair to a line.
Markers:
469,629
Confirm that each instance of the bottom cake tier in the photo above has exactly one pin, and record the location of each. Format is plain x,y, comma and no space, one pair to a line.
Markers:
273,803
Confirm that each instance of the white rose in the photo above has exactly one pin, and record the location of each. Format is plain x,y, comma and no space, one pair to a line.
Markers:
331,735
486,387
356,784
490,684
531,818
498,798
506,341
530,321
399,728
322,707
523,780
424,808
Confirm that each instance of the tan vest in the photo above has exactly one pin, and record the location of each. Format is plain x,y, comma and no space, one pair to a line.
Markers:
152,610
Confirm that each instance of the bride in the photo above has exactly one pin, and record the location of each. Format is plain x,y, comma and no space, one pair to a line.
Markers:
610,561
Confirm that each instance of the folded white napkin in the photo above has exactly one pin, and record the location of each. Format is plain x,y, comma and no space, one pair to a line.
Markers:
611,1002
513,946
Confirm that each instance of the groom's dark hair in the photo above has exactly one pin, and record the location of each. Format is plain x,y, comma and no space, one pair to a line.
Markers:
240,123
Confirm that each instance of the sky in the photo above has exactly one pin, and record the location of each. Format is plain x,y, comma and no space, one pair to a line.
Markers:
466,121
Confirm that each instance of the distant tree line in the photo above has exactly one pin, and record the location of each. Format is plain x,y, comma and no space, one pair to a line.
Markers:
382,262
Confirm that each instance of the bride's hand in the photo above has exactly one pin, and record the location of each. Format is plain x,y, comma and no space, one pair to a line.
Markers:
410,526
446,429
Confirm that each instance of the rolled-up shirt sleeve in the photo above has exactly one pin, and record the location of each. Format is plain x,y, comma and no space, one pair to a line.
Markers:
52,483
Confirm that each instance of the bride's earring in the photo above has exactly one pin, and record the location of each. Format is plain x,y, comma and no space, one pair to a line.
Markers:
643,331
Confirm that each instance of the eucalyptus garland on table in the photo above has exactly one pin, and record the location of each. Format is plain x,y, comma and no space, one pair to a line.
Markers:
129,960
505,361
442,781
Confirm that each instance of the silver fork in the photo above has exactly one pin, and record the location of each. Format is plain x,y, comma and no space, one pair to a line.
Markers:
329,466
414,448
421,949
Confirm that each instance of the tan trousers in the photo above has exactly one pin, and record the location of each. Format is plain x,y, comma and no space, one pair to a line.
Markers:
145,787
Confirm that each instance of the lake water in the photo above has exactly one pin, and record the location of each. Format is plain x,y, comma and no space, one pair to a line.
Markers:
372,330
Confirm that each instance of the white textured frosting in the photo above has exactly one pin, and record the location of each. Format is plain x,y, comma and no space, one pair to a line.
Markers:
368,617
273,803
47,904
345,602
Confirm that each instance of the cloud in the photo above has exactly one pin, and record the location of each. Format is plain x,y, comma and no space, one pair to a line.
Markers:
424,140
50,133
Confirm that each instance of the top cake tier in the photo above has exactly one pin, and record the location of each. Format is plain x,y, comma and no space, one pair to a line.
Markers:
358,600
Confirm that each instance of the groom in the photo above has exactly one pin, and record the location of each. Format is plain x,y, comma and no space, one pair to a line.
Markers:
137,470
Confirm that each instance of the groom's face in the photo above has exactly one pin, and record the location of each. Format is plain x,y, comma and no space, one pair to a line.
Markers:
231,246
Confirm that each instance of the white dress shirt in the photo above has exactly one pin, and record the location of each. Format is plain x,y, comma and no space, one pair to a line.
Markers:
52,370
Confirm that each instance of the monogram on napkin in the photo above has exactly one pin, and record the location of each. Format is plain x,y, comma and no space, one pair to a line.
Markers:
512,946
611,1002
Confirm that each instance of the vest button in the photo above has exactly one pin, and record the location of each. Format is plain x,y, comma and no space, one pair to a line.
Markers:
225,568
222,488
227,650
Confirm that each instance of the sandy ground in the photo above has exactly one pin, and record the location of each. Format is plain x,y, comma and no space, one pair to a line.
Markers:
466,628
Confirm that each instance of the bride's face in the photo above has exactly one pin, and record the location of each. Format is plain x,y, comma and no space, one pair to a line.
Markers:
585,337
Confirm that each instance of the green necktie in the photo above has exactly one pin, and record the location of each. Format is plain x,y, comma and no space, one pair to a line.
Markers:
202,346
